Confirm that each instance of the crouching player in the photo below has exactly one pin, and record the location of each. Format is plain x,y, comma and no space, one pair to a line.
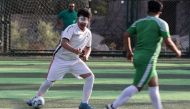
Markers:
69,57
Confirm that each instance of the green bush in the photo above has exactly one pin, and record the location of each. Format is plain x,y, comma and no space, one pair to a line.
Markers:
18,36
44,38
48,38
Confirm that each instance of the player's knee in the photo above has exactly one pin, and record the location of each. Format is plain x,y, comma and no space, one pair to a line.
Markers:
91,77
87,75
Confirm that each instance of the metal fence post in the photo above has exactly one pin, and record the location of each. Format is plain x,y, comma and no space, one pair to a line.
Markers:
189,46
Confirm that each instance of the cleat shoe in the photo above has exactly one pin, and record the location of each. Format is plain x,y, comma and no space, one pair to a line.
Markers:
85,106
29,102
109,106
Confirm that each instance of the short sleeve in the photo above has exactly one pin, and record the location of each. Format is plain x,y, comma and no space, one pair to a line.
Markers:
132,29
89,43
68,32
164,30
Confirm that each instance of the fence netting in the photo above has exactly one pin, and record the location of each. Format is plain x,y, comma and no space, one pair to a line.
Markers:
29,25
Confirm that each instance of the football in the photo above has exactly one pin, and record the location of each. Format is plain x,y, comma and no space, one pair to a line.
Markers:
38,102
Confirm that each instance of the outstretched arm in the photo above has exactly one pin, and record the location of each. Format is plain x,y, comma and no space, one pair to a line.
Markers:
170,44
127,45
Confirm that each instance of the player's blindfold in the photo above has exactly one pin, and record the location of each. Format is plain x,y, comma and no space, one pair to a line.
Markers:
83,19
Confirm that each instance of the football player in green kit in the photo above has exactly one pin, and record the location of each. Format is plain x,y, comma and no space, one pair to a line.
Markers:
150,31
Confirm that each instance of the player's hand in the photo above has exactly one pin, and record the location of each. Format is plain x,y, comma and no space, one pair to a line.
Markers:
178,53
78,51
130,56
83,56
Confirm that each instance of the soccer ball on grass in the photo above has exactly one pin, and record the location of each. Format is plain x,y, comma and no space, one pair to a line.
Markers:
38,102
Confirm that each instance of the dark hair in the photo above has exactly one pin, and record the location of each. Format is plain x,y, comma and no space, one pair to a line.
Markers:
84,12
155,6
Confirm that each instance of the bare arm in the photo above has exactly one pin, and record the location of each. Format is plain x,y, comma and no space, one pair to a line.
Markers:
67,46
127,46
170,44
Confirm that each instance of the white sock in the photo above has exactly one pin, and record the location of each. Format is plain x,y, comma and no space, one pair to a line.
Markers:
155,97
126,94
44,88
87,88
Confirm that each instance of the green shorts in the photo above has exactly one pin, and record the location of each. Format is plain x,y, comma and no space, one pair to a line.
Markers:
145,67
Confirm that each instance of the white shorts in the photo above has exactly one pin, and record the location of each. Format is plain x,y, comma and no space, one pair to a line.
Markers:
60,67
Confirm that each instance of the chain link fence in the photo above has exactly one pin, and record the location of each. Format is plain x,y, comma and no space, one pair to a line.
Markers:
27,26
120,14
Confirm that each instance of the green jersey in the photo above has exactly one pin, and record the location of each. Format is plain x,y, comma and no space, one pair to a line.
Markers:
67,17
150,32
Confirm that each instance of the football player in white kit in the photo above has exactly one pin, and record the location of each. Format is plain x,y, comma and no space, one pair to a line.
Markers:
69,57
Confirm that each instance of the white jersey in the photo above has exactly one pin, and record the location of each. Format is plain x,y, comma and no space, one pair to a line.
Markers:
77,39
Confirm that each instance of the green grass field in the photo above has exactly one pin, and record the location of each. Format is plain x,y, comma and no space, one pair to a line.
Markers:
22,76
